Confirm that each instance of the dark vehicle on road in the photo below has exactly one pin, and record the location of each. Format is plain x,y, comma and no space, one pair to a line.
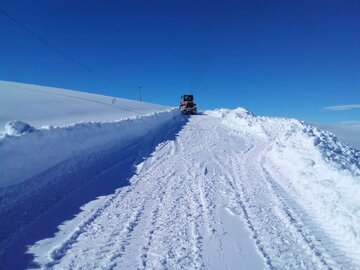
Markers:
187,105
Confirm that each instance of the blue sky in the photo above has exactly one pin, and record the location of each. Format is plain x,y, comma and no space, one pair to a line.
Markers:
281,59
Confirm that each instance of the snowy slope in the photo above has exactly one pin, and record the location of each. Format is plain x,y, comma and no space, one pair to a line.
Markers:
220,190
348,132
45,145
40,105
28,153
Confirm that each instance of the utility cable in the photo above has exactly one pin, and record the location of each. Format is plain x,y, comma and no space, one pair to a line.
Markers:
122,107
69,57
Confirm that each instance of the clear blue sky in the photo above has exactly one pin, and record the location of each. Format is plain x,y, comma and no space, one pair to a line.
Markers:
285,58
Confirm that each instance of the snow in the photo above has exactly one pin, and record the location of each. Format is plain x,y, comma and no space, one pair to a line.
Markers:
348,132
17,128
40,105
176,213
317,175
156,190
39,151
79,132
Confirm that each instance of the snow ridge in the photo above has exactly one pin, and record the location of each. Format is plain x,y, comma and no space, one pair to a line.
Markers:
316,175
281,130
335,151
53,145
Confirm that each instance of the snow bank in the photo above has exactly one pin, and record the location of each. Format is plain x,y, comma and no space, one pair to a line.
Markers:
322,173
24,156
294,133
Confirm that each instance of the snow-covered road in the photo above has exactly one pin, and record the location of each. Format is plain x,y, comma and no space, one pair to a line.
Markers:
180,211
208,196
203,200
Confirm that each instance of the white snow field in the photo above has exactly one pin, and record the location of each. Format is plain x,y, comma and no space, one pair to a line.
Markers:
43,106
220,190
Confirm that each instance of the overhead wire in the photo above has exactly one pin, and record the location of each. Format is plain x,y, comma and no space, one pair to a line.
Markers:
122,107
55,48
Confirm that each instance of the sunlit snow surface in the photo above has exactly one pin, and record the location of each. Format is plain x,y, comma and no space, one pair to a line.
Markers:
41,105
224,189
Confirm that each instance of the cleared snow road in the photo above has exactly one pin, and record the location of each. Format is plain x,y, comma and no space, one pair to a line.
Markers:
180,211
204,199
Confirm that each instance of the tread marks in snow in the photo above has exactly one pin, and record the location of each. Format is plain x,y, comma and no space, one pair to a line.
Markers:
303,218
170,215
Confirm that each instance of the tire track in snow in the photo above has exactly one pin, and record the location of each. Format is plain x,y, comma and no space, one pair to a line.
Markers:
148,223
60,252
136,216
153,226
206,198
317,240
272,239
152,194
238,206
167,215
181,204
129,222
282,214
180,192
257,202
85,227
174,214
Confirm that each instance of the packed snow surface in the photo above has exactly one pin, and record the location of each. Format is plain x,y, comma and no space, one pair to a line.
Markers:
221,190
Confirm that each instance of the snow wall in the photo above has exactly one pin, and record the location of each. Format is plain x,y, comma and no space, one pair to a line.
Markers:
23,156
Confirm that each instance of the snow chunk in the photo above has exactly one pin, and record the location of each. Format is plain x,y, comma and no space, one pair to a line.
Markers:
17,128
242,112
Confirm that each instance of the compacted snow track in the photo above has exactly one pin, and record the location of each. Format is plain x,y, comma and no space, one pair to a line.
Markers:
206,198
174,214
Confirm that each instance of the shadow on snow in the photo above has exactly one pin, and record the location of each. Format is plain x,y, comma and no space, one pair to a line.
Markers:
45,201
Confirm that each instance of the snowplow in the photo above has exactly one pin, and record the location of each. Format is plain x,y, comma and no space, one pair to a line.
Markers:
187,105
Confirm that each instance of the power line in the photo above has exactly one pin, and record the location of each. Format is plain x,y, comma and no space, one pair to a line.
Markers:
122,107
67,56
